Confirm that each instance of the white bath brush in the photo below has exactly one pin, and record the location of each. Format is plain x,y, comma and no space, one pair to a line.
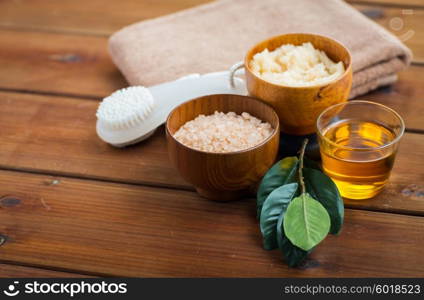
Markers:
132,114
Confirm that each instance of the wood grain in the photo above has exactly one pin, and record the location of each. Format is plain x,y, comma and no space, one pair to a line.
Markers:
60,64
122,230
56,135
223,176
15,271
299,108
98,17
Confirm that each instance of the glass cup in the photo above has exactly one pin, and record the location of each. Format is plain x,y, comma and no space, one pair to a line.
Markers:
358,144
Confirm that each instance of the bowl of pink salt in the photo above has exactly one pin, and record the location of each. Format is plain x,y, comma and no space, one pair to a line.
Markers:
223,144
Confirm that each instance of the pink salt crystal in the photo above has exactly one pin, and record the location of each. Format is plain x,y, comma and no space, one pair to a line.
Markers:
222,132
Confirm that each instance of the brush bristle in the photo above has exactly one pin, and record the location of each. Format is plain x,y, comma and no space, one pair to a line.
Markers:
126,107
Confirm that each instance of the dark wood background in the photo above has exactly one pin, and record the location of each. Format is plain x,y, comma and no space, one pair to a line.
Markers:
71,205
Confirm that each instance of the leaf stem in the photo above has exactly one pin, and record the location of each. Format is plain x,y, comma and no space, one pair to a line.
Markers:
302,154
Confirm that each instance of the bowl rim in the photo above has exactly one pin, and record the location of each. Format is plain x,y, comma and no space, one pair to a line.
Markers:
272,135
346,72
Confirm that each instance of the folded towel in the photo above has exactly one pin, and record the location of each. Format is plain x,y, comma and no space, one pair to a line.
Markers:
214,36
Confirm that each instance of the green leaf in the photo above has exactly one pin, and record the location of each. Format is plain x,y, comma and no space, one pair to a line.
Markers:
309,163
274,205
293,255
325,191
306,222
281,173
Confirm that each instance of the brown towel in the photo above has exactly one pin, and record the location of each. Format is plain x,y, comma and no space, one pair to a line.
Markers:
214,36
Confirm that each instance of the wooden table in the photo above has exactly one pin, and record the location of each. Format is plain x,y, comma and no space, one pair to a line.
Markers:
70,205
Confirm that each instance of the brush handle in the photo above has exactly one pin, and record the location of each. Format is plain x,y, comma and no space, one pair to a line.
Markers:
171,94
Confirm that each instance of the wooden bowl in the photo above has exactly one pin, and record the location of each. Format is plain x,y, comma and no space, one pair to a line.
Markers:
299,107
222,176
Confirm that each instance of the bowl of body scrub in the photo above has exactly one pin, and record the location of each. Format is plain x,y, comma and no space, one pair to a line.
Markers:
299,75
223,144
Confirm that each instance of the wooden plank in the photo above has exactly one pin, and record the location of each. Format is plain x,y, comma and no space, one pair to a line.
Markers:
104,17
56,135
55,63
123,230
15,271
89,17
406,24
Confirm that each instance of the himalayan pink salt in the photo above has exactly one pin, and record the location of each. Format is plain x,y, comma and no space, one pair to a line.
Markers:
223,132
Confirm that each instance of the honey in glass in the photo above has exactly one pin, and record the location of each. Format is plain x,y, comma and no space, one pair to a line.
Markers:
358,145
